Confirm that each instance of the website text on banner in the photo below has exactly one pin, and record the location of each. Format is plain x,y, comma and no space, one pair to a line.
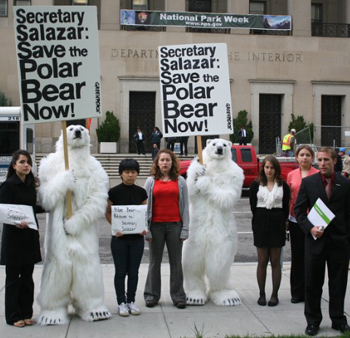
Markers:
195,90
58,63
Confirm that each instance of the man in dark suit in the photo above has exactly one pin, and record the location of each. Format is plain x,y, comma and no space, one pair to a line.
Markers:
242,136
325,247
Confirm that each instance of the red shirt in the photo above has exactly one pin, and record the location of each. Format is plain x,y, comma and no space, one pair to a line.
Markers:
166,202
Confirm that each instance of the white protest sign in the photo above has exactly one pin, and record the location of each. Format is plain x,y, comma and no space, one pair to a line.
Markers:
17,213
58,62
129,219
195,90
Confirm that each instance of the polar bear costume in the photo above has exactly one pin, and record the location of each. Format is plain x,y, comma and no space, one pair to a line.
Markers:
214,188
72,273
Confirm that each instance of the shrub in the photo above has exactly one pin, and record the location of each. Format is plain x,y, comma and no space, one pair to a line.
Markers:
109,130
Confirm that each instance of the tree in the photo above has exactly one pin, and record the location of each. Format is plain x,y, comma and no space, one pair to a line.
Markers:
109,130
4,101
241,120
306,131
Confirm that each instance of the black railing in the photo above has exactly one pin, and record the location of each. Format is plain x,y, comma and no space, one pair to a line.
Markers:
143,28
333,30
269,32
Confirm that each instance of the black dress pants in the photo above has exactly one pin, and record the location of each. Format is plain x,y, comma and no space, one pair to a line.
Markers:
297,271
336,256
19,292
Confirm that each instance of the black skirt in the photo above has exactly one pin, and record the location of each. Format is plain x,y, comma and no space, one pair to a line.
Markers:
269,228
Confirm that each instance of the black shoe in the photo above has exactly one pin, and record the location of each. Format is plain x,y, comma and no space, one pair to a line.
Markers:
296,300
312,330
262,301
181,304
273,303
150,303
343,328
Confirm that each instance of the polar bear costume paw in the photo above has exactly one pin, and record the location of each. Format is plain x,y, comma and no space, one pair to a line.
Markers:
225,298
100,313
196,297
53,317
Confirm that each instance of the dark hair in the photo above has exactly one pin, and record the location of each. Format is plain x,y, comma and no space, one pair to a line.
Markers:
30,179
276,165
328,150
157,128
308,148
129,164
175,166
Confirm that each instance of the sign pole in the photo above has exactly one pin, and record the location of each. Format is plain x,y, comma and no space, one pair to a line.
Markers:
199,148
66,164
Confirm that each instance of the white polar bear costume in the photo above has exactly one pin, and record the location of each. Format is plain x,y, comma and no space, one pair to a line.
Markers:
72,273
214,188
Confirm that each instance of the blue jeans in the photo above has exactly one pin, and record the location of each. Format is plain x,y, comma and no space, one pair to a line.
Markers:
169,234
127,255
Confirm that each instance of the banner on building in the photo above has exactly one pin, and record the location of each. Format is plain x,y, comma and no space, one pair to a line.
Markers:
195,90
205,20
58,63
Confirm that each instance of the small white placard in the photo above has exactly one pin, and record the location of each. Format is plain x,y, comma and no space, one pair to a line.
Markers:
320,215
15,213
129,219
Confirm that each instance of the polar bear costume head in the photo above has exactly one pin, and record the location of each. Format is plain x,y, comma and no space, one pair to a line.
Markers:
77,138
217,150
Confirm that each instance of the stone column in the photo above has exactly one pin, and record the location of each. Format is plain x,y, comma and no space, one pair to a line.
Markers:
238,7
175,6
300,10
347,12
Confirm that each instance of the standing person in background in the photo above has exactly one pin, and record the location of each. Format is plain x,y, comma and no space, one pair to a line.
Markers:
242,136
156,136
304,156
269,202
183,145
170,143
127,250
168,219
346,166
154,151
140,141
338,167
20,248
288,144
325,246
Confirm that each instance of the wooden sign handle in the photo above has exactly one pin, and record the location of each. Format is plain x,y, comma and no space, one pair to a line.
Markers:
66,164
199,148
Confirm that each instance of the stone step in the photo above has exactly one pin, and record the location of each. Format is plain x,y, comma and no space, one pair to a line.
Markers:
110,162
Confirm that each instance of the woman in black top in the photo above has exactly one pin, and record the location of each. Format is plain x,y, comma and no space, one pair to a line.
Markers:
127,250
269,203
20,248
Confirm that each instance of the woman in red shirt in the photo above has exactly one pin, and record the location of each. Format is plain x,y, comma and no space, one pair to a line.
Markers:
168,220
305,156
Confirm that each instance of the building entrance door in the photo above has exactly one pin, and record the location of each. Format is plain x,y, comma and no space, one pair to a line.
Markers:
330,116
142,111
269,122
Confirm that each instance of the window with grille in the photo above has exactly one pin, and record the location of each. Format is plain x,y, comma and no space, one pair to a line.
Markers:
140,5
257,7
3,7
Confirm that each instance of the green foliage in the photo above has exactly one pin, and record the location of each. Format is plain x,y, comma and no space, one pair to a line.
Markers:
4,101
241,120
109,130
298,123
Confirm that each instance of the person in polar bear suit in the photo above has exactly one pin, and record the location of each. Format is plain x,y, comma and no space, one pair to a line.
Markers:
72,273
214,188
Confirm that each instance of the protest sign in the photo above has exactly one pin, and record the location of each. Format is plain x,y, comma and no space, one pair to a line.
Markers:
17,213
195,90
58,63
129,219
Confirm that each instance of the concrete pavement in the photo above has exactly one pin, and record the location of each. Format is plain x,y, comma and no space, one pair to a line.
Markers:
165,320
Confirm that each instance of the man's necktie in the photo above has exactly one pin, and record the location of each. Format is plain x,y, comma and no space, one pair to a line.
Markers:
329,187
